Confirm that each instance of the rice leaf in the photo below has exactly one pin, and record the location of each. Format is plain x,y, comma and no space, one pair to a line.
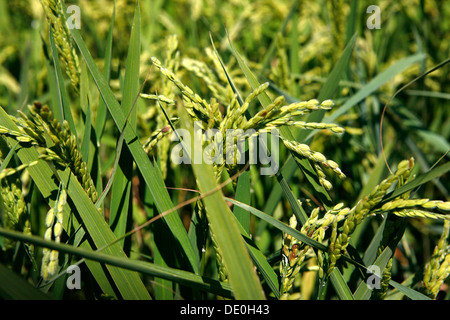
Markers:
375,83
243,195
239,267
241,274
340,285
147,268
261,263
153,182
410,293
364,292
101,109
84,99
121,193
279,225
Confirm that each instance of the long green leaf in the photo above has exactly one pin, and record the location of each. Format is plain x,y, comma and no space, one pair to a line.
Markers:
121,193
84,99
236,259
243,195
340,285
375,83
411,293
279,225
261,263
101,109
102,236
147,268
364,292
151,178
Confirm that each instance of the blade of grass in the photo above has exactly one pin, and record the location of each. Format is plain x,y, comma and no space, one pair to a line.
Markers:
241,274
410,293
147,268
53,99
340,285
294,51
431,94
153,182
121,192
261,263
84,99
161,256
351,21
243,195
8,157
279,225
101,109
240,270
101,234
363,292
375,83
390,241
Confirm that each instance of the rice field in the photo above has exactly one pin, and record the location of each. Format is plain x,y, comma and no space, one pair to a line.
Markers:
224,150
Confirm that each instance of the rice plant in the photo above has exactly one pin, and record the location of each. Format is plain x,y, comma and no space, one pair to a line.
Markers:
239,150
